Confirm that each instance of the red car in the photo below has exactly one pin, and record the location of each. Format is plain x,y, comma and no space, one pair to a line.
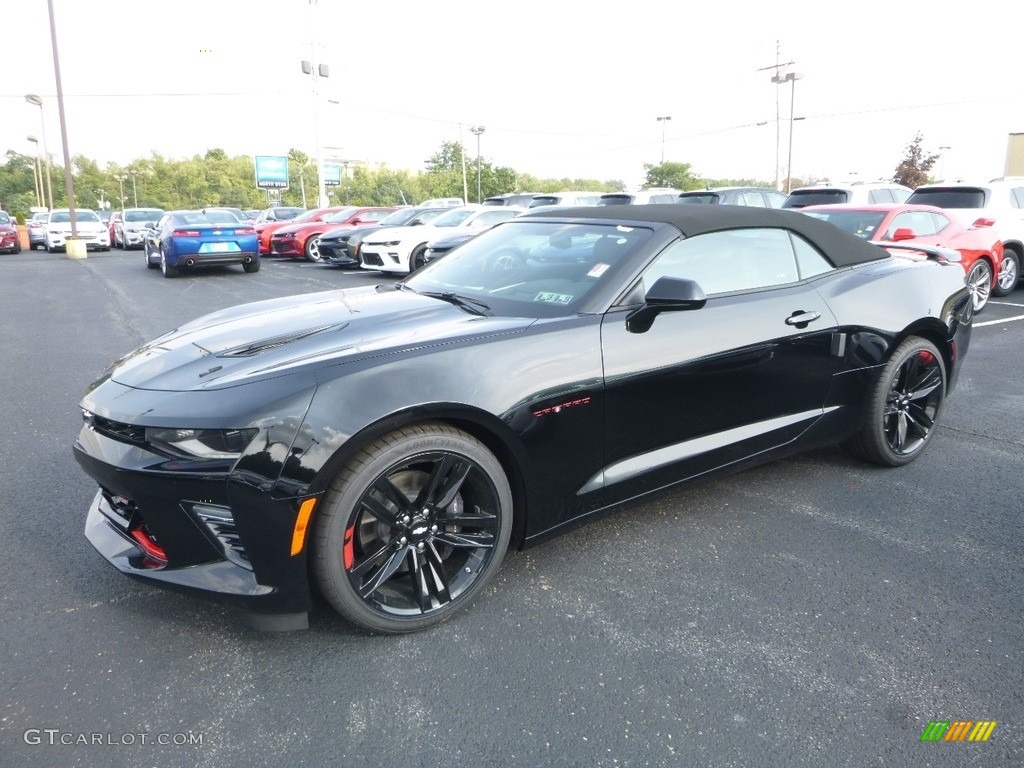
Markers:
115,218
981,249
302,240
266,229
9,239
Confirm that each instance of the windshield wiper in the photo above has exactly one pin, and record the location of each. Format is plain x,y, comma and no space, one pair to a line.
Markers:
475,306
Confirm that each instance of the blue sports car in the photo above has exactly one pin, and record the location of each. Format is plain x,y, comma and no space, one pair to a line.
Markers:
186,239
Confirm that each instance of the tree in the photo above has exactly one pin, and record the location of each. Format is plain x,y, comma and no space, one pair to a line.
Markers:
913,169
674,175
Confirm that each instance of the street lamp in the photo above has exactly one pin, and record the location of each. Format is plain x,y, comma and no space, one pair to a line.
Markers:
476,130
663,120
102,202
37,172
943,150
32,98
789,77
135,189
120,180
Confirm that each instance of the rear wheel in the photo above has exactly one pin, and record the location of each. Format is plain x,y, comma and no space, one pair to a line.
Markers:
252,266
412,528
1009,274
979,281
903,408
166,268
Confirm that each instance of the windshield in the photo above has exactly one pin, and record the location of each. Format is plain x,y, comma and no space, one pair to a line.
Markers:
4,218
816,197
703,198
963,197
61,217
453,218
149,214
288,214
532,268
338,216
863,224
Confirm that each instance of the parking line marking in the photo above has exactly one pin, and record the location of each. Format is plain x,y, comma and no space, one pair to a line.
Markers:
1006,304
997,322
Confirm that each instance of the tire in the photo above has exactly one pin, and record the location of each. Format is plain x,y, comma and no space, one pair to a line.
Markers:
1009,274
312,249
412,528
166,268
416,258
149,264
979,281
903,407
252,266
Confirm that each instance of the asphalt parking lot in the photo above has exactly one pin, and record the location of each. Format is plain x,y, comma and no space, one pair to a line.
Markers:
813,612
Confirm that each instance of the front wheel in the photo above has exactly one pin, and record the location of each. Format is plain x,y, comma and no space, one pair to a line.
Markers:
313,249
412,528
903,407
418,257
979,281
1009,273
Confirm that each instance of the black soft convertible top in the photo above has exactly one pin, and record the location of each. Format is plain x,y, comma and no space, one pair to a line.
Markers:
840,247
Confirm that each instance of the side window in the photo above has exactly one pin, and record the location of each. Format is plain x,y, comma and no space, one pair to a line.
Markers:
733,260
880,196
939,221
1018,196
775,199
921,222
808,258
899,195
163,221
752,198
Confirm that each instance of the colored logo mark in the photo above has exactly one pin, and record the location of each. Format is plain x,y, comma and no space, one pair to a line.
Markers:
958,730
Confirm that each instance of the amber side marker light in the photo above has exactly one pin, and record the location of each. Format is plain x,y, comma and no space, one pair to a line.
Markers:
301,524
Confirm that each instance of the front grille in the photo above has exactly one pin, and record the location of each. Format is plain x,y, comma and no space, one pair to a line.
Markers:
373,259
220,525
125,433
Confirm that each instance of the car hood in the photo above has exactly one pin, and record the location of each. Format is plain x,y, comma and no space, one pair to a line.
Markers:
81,226
424,232
271,338
345,234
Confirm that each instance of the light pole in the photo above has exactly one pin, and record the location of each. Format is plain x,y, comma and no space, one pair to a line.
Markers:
321,70
663,121
120,180
476,130
944,150
135,189
102,202
31,98
37,172
789,77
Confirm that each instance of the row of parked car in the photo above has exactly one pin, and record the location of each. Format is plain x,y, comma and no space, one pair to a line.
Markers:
984,223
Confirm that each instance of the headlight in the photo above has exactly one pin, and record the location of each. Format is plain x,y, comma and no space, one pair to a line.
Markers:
201,443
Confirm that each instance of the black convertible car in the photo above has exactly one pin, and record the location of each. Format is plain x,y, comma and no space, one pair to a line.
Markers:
387,444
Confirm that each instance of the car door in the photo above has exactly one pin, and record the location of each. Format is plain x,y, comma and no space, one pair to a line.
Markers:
703,388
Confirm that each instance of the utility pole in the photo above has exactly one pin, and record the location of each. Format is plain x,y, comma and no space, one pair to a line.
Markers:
778,69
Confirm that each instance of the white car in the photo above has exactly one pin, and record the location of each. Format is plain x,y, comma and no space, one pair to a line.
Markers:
88,225
402,249
130,231
854,192
1000,201
653,196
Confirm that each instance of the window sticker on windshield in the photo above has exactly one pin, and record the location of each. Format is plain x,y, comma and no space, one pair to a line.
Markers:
597,270
553,298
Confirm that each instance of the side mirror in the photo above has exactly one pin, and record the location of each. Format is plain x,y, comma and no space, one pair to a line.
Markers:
984,222
668,294
903,233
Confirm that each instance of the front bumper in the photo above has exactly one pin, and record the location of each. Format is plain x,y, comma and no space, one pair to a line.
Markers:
130,238
223,530
285,246
383,258
337,254
92,240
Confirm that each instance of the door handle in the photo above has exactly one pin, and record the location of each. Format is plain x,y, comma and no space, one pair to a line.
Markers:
800,319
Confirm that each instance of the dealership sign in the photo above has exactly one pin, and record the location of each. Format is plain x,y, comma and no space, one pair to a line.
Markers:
271,172
332,174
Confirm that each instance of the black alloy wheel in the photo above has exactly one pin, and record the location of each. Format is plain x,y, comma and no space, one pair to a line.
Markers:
412,528
904,405
418,257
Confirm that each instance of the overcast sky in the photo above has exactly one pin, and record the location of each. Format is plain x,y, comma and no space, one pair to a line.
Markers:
563,88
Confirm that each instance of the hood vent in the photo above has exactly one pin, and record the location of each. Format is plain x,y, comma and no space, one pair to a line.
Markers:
264,345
